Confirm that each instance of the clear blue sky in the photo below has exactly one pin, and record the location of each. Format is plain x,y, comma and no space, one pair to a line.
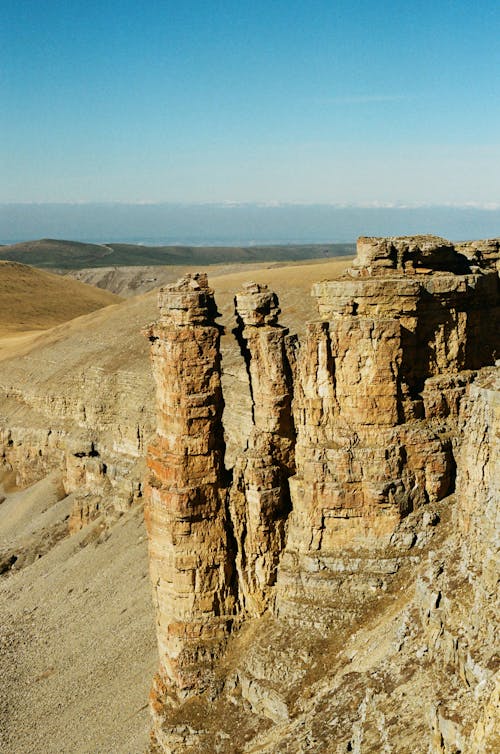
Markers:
311,101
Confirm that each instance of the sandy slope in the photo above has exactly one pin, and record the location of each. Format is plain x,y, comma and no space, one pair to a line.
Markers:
32,299
76,626
77,641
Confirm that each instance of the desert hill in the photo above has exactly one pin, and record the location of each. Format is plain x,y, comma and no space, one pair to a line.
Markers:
65,255
32,299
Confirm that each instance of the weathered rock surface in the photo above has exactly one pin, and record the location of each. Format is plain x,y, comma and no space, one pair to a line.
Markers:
186,495
338,552
77,413
369,630
485,253
260,497
374,439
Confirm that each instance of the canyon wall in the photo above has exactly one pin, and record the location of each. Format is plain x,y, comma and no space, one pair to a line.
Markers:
333,504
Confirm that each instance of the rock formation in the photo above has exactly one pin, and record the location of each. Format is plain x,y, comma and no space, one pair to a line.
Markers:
191,559
260,499
459,598
331,510
381,375
353,553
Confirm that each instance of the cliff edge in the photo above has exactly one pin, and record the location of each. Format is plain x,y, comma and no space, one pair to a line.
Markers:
335,590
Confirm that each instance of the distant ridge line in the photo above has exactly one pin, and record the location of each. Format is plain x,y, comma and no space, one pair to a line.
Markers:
62,254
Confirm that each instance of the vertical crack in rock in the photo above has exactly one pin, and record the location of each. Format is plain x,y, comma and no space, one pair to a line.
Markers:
191,560
260,500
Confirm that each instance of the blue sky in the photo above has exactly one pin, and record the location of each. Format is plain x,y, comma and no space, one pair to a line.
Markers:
342,102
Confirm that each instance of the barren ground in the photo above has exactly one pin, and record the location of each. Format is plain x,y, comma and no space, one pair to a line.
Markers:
32,299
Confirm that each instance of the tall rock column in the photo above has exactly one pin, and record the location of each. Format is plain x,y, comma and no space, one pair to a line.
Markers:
260,497
191,560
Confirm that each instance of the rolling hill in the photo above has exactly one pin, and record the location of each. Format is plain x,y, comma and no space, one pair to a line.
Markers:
32,299
70,255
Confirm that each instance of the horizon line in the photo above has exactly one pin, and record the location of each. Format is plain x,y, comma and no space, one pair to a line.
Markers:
228,204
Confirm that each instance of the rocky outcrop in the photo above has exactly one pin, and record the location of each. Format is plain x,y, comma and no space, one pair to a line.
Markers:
260,497
191,556
332,506
485,253
377,397
458,595
478,478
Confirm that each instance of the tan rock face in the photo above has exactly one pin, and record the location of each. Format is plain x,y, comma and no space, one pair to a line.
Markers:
406,254
484,253
478,480
362,371
260,497
353,432
458,595
191,559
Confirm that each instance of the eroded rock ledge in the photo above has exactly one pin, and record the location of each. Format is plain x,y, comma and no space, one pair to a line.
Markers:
330,511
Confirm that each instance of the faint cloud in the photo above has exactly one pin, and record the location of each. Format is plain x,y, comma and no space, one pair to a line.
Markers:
362,99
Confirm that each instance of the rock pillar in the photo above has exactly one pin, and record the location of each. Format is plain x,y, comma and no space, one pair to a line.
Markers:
191,559
260,497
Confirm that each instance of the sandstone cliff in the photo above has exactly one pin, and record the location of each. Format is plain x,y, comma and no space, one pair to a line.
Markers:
332,632
331,595
76,416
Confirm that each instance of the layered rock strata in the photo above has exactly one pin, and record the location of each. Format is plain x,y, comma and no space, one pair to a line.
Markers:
377,397
85,432
191,556
260,498
349,462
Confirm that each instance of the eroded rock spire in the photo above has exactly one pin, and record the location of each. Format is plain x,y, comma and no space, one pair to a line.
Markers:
191,559
260,499
352,451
